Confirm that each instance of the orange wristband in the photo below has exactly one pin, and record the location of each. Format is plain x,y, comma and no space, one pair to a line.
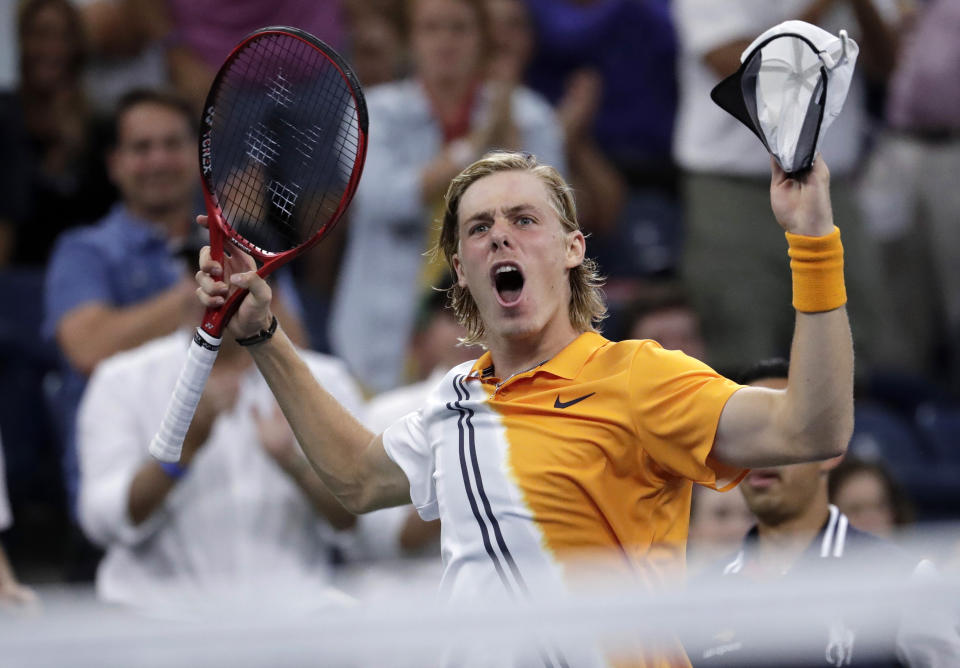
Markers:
817,267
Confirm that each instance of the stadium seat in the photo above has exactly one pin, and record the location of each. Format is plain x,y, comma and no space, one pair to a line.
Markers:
880,433
25,360
940,430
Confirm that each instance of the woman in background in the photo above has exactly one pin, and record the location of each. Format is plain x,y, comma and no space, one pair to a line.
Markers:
423,130
52,174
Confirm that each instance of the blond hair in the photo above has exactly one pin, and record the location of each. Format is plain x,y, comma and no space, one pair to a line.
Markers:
587,307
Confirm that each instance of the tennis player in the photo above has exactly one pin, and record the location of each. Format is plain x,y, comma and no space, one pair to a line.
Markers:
556,440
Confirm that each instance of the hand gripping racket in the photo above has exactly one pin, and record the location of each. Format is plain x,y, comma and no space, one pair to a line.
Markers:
282,144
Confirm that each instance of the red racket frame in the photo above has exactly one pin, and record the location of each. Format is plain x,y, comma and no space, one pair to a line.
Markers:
215,319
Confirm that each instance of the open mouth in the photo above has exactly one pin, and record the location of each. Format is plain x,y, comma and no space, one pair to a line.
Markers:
508,283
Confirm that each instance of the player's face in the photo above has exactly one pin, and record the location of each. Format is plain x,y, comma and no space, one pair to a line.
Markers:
445,39
782,492
514,255
154,164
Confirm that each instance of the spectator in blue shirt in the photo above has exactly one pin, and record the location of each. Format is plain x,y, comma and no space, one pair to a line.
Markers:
117,284
120,282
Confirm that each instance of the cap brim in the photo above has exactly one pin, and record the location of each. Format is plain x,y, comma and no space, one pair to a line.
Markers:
728,95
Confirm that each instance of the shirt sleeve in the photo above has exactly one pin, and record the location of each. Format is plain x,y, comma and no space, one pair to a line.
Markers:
676,402
111,447
77,275
407,445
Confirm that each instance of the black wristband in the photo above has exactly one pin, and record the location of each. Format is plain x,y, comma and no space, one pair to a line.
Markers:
261,336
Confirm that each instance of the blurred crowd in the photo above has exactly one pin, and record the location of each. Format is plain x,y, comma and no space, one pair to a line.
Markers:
99,189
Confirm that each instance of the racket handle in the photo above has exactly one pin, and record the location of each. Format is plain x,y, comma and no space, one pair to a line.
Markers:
168,442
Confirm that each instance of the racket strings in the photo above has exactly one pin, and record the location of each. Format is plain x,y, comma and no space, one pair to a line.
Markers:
286,143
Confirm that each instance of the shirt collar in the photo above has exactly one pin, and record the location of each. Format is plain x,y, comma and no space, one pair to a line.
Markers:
565,364
830,541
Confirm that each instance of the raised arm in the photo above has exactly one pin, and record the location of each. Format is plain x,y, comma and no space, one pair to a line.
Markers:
813,418
349,459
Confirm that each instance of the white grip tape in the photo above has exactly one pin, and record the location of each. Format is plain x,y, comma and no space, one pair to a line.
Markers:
166,445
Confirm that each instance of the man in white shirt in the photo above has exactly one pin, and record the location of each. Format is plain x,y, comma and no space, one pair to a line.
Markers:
242,513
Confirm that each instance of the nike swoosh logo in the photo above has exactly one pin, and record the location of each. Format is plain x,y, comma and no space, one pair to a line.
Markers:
568,404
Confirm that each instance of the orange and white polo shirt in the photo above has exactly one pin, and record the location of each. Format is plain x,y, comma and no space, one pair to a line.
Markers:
595,449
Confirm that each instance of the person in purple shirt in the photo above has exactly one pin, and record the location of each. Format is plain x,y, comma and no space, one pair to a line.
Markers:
202,33
632,45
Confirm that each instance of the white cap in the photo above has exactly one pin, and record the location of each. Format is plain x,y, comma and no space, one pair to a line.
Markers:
791,85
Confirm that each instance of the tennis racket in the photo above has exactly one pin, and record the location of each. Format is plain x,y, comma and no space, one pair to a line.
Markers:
283,138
